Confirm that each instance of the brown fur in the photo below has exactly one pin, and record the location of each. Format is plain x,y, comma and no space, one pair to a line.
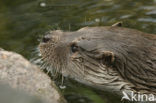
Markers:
104,57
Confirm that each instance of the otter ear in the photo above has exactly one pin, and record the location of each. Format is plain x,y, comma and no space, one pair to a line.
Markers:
106,57
119,24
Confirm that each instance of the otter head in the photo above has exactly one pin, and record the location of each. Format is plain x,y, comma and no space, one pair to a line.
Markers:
109,58
85,55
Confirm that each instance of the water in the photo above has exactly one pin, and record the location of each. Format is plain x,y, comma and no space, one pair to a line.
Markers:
22,22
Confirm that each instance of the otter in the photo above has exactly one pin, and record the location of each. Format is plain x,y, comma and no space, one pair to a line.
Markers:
112,58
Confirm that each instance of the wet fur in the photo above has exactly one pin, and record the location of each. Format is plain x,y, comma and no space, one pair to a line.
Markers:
113,58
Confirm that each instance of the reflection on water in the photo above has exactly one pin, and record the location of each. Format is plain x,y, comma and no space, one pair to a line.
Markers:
22,22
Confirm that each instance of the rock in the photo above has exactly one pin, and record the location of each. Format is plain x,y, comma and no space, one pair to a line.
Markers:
19,74
10,95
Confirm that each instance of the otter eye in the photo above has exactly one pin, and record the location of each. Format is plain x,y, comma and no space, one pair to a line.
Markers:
74,48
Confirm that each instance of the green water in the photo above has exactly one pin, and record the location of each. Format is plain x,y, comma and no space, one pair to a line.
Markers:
22,22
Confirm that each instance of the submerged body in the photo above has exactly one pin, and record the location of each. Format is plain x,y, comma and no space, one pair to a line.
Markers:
109,58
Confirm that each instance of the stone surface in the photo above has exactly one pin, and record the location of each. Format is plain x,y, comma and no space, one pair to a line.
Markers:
20,74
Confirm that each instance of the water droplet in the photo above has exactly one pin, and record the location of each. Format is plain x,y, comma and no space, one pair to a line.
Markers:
62,87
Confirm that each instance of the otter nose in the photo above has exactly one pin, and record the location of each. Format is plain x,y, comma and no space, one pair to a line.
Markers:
45,39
